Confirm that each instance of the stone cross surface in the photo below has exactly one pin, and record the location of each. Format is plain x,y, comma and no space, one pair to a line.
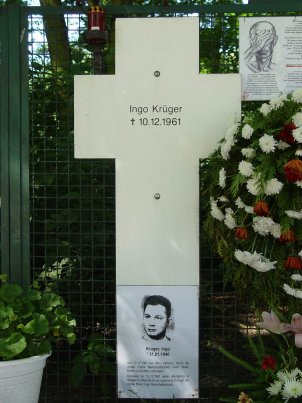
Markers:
156,116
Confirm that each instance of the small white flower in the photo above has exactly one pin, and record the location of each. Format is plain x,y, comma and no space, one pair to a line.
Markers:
294,292
223,199
299,152
273,187
275,388
267,143
277,102
239,203
297,119
232,130
222,178
297,95
253,186
297,134
265,109
215,211
299,184
229,219
225,149
282,145
292,389
247,131
300,253
246,168
247,152
296,277
286,375
294,214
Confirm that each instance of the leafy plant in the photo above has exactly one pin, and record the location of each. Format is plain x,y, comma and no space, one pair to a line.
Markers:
97,359
31,321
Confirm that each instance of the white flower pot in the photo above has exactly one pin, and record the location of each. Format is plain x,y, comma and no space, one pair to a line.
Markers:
20,380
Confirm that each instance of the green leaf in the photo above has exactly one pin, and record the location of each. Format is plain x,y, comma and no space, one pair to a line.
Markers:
78,371
12,346
50,300
37,326
39,348
9,292
32,295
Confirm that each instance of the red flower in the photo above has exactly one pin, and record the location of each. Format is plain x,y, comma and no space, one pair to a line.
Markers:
241,233
293,262
268,362
287,236
293,170
261,208
287,134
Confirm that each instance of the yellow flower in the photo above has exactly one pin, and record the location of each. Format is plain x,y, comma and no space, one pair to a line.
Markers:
244,398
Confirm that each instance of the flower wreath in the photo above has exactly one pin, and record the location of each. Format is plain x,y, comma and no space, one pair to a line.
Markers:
253,185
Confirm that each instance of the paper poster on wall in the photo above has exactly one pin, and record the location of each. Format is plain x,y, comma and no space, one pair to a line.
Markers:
157,341
270,52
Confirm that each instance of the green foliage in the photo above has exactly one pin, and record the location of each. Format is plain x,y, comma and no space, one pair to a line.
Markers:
97,359
31,321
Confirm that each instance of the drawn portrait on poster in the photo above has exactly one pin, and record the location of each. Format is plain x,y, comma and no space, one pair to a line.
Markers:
270,53
157,346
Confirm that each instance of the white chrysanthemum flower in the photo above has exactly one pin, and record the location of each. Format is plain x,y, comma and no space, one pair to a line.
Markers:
292,389
286,375
299,152
297,134
265,226
222,178
223,199
296,277
246,168
247,131
239,203
229,219
247,152
267,143
253,186
297,119
299,184
273,187
294,292
255,260
265,109
277,102
249,209
276,230
297,95
225,149
282,145
275,388
232,130
215,211
294,214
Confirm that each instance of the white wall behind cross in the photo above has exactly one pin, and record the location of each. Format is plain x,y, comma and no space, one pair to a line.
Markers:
157,128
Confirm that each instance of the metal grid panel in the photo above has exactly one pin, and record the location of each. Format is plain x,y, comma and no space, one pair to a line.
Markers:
73,216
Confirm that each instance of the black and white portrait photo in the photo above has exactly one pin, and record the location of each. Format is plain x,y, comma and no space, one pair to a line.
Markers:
157,320
157,341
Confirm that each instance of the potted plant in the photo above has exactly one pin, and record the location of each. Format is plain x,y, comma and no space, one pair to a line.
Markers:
31,321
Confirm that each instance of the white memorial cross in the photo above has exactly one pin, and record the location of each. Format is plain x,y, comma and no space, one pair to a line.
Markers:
156,116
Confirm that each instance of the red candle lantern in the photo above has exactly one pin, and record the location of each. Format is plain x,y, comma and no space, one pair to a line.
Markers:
96,20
